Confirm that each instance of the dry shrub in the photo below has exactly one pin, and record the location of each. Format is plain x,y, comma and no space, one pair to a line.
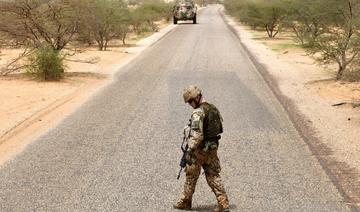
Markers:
47,63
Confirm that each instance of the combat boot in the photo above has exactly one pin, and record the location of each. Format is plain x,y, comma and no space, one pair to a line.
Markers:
183,205
219,208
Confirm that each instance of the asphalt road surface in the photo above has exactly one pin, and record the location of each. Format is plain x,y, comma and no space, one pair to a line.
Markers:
120,151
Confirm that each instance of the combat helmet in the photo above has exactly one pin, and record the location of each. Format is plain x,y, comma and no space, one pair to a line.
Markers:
191,92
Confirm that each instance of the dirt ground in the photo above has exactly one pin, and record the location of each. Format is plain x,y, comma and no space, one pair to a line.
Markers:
30,107
323,84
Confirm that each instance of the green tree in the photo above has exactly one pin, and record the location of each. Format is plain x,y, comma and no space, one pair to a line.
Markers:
273,15
268,15
307,19
147,13
34,22
104,20
238,9
341,42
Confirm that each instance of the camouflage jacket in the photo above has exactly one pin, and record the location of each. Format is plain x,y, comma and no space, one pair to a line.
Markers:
196,133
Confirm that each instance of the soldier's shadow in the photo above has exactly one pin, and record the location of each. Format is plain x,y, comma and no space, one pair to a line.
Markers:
209,208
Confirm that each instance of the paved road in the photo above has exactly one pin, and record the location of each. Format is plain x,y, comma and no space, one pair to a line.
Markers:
120,150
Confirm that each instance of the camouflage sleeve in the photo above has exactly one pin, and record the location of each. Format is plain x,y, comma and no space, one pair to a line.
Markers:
196,135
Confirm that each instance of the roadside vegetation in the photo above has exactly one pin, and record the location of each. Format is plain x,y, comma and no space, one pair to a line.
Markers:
329,30
47,30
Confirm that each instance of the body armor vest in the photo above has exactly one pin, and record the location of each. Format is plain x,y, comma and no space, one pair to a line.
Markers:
212,125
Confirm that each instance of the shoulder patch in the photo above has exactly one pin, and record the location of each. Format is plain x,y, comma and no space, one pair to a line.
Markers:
195,122
196,118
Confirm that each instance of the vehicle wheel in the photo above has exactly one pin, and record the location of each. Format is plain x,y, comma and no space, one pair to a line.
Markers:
194,20
175,20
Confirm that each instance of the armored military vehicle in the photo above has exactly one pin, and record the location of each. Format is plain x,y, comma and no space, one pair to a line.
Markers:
185,10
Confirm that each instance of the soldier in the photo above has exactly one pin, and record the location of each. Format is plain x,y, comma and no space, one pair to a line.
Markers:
206,125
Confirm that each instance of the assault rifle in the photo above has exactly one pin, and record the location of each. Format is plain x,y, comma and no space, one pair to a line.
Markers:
184,148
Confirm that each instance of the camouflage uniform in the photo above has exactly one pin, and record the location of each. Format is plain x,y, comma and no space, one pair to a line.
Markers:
205,157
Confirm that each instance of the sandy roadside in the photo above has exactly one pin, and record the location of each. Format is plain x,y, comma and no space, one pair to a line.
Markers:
309,89
30,108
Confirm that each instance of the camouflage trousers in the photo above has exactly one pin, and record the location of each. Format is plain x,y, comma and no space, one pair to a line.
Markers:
209,161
